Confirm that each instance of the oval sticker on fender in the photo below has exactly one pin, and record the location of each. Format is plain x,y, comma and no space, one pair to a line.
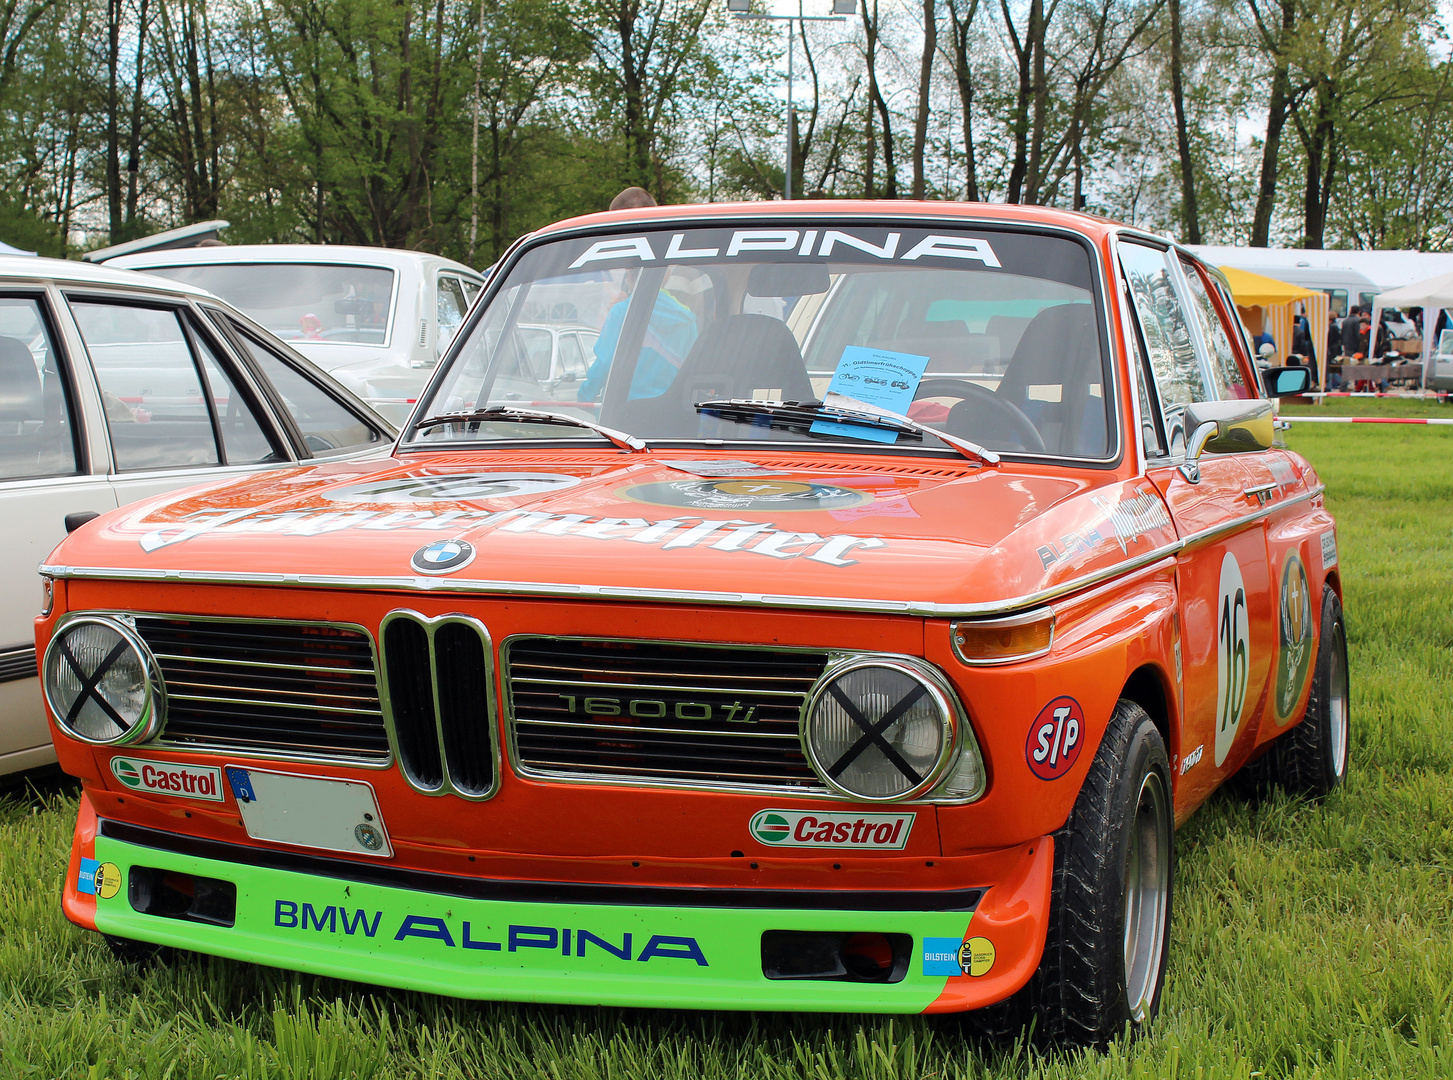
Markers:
1294,637
1055,738
1233,655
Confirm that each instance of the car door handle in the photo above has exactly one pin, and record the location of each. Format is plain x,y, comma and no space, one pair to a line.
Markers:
76,520
1262,493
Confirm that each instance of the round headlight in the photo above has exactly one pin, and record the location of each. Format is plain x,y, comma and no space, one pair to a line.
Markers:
880,728
102,683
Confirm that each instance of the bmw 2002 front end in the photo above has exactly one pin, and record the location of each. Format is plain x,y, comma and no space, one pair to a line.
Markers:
851,639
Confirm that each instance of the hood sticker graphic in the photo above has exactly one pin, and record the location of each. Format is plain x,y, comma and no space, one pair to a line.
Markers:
747,495
754,537
452,487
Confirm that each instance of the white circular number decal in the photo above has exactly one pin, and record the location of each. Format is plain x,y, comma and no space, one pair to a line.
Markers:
1232,656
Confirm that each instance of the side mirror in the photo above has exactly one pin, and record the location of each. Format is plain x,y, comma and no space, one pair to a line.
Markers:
1285,381
1226,427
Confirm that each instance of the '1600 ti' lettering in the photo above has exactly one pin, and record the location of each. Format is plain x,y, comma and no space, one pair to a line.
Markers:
656,709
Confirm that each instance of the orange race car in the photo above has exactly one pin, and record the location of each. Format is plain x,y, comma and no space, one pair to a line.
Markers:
850,635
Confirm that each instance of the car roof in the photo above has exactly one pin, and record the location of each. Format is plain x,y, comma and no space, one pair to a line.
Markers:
880,209
342,254
31,268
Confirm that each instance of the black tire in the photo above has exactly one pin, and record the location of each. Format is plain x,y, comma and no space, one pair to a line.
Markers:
1109,937
1311,757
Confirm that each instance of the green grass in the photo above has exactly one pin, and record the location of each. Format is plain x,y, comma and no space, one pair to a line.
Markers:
1309,940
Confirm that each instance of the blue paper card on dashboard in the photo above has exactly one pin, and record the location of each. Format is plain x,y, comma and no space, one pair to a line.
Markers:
878,378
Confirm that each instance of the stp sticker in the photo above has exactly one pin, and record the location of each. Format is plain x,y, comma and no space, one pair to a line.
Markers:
1055,738
169,778
789,828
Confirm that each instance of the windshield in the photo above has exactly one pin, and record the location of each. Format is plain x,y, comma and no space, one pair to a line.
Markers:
991,335
344,305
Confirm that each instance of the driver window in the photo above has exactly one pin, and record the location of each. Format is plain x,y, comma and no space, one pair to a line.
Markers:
1166,334
36,424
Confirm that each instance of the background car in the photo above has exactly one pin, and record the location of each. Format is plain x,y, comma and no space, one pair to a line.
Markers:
102,402
377,319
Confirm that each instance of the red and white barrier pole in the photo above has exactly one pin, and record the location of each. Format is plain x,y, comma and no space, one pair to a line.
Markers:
1364,420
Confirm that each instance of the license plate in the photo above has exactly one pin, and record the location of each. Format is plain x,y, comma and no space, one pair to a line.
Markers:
309,811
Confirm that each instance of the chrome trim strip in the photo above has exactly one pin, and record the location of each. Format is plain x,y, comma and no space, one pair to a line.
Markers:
17,663
920,608
430,626
1266,511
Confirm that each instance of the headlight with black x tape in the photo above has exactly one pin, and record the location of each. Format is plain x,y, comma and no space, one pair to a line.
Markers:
888,728
102,682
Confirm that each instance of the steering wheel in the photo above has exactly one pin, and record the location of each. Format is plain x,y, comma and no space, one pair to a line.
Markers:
1024,427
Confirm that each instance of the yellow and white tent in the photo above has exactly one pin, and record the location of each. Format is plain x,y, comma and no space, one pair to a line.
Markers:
1278,301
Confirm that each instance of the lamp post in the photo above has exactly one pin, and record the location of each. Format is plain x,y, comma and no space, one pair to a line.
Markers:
742,9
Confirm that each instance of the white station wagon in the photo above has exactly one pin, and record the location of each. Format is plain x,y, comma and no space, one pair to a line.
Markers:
377,319
114,387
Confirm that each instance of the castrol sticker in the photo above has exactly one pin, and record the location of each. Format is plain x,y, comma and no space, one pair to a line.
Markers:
1055,738
789,828
168,778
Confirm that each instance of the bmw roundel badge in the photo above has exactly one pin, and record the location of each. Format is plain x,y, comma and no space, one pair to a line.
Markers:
442,556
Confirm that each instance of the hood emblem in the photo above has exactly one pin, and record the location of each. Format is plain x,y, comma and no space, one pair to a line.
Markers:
442,556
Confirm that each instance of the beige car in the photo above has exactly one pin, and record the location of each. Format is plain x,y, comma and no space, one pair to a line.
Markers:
115,386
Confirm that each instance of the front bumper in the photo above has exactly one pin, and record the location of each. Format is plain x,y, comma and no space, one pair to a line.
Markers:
466,938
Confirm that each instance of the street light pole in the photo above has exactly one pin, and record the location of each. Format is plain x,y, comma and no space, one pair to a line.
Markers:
841,9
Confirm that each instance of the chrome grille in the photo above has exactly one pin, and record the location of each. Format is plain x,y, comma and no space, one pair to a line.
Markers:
266,687
664,713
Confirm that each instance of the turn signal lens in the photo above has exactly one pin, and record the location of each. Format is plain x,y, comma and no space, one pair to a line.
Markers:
47,594
1004,641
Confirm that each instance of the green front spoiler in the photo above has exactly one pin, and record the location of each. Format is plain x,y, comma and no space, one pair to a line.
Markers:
571,953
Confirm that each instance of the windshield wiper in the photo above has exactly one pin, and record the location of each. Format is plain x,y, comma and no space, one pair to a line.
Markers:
804,413
512,415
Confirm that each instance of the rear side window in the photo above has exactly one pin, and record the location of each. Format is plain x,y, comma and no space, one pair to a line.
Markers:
166,405
1225,371
328,427
37,427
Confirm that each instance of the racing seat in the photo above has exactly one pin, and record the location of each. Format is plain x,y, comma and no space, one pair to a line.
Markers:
740,356
1050,377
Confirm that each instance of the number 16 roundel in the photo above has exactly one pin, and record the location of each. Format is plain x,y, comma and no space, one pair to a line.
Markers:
1232,656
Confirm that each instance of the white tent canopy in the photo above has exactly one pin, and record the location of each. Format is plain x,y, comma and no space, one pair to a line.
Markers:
1431,295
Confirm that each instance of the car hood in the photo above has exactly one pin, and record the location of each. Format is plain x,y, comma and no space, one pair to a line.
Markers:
866,532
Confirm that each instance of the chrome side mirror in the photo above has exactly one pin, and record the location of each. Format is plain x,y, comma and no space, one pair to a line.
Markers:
1226,427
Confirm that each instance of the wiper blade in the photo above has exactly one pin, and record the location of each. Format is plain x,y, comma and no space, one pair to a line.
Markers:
807,412
510,414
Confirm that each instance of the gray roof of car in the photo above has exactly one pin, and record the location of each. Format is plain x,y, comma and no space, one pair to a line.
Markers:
345,254
30,268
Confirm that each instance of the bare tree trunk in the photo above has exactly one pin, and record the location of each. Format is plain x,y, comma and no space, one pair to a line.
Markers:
1189,212
1276,115
964,79
113,105
925,84
133,145
1019,124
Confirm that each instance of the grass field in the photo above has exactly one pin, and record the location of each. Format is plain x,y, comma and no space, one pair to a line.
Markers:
1308,940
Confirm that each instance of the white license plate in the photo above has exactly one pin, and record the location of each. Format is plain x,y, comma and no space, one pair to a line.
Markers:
309,811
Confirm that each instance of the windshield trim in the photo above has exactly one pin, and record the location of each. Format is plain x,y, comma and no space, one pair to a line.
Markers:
525,244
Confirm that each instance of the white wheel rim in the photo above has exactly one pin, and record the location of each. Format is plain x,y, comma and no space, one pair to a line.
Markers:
1337,711
1147,894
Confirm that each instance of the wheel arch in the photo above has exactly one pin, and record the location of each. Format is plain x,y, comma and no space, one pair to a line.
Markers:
1149,688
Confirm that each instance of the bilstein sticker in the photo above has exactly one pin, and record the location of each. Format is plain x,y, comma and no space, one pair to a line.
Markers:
1055,738
954,958
169,778
1294,637
789,828
748,494
101,879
